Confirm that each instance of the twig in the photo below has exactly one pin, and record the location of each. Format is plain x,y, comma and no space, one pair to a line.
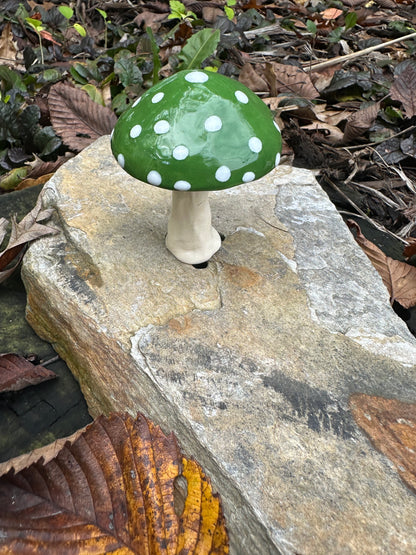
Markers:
377,226
50,361
355,147
353,55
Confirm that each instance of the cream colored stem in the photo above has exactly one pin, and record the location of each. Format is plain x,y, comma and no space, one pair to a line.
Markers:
191,237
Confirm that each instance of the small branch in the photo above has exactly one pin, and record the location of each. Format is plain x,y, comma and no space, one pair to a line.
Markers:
50,361
353,55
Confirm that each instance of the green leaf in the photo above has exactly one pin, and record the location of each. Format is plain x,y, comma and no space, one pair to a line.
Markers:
350,20
336,34
198,48
126,69
11,79
80,29
49,76
66,11
120,103
311,27
94,93
36,24
12,179
45,141
155,51
177,10
79,73
102,13
231,2
229,12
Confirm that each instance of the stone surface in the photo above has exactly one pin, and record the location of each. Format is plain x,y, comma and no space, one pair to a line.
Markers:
250,361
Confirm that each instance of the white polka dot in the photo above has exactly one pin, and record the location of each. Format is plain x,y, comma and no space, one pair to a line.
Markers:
277,159
277,127
135,131
248,176
254,144
241,97
182,185
120,160
180,152
136,101
223,174
158,97
154,178
196,77
213,123
161,127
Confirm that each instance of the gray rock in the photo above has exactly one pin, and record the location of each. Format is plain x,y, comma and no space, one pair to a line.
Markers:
250,361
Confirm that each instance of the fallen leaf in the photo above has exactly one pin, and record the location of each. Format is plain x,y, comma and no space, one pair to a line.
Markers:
22,233
17,373
8,49
285,78
76,118
391,427
48,36
30,182
398,277
410,249
333,134
403,88
331,13
251,79
111,490
359,122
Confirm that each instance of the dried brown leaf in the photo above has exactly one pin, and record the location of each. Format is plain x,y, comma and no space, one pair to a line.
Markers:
17,373
8,49
22,233
404,86
360,122
284,78
251,79
76,118
391,427
333,134
398,277
410,249
111,489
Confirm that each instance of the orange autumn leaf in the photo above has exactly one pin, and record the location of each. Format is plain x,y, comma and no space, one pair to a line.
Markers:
391,427
111,490
331,13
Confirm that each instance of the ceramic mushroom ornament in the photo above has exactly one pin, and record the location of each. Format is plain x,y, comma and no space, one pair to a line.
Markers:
194,132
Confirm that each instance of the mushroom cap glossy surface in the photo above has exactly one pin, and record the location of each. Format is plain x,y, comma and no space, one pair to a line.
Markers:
197,130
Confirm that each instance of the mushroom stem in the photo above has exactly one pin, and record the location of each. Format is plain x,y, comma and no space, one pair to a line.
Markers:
191,237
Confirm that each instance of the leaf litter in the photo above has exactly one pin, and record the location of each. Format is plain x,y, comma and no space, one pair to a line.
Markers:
110,488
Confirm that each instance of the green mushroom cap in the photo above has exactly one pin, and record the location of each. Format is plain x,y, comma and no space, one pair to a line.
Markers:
199,131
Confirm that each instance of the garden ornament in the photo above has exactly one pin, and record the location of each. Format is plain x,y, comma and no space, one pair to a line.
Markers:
194,132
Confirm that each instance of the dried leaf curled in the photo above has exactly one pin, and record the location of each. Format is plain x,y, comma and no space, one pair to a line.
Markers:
398,277
76,118
404,86
111,490
17,373
391,427
22,233
285,78
360,122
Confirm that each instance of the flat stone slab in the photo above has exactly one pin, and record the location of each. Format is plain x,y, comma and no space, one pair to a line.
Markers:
250,361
